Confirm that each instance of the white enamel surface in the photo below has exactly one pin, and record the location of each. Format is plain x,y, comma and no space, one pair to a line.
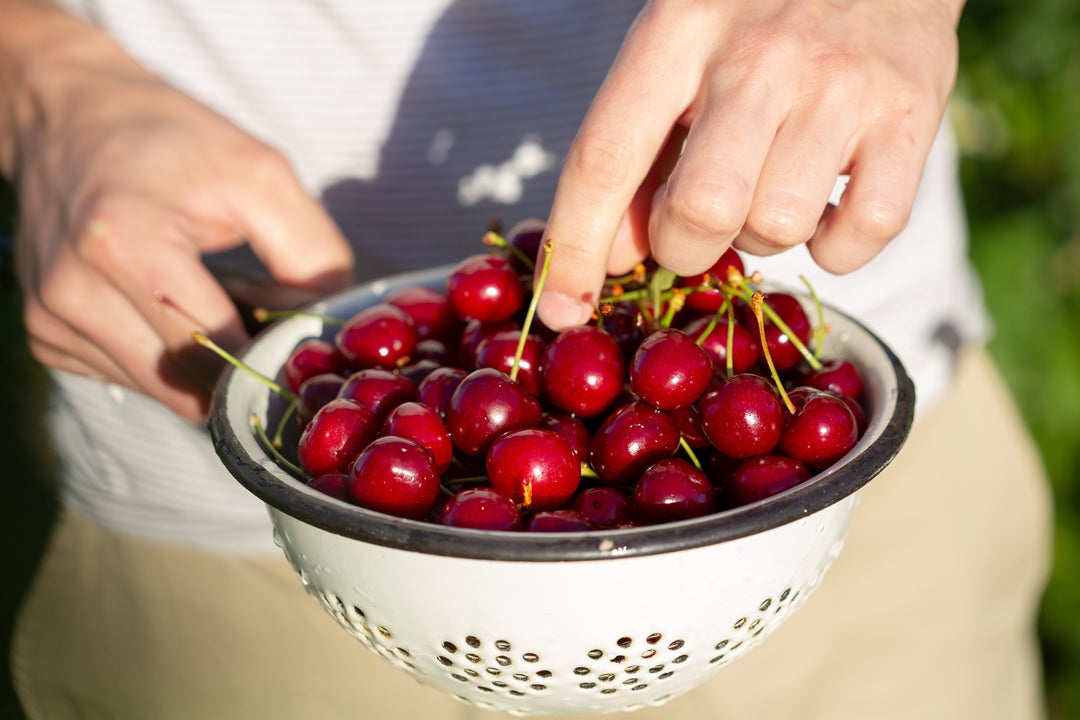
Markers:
520,633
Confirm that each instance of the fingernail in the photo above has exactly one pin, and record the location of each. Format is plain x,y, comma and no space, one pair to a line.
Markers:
559,311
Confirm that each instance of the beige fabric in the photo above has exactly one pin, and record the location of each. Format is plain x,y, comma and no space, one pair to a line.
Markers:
927,614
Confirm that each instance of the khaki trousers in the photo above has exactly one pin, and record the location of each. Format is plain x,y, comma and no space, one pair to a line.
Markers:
928,613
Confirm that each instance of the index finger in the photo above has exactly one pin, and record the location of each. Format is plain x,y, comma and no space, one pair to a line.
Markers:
622,133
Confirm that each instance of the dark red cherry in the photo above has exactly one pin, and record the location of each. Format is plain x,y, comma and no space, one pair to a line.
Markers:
606,506
310,358
671,490
562,520
584,370
820,432
631,439
435,389
421,424
394,476
432,315
486,404
481,508
473,335
623,323
485,287
764,476
335,436
380,336
742,416
526,237
839,376
785,355
535,467
315,392
709,301
745,348
499,351
688,420
378,390
571,429
333,484
669,370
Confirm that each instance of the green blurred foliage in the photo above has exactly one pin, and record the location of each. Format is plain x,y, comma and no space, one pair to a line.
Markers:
1017,114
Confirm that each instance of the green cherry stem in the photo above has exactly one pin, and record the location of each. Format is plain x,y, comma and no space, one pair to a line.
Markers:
819,328
224,354
273,450
547,247
690,452
757,302
496,240
263,315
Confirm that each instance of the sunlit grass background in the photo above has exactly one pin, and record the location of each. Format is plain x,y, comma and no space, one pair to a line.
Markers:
1017,114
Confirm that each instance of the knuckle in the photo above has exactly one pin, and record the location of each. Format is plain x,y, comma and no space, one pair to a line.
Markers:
716,209
786,223
879,220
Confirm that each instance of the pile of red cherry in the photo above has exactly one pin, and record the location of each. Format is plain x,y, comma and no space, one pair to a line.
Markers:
454,405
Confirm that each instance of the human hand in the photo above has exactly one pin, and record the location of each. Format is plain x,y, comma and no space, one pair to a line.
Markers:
123,184
774,100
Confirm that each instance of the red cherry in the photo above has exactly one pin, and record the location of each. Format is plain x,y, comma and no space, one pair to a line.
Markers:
314,393
335,436
572,430
486,404
435,389
584,370
670,490
821,431
499,351
481,508
535,467
380,336
709,301
839,376
394,476
420,423
432,315
785,355
378,390
631,439
333,484
742,416
745,348
669,370
606,506
764,476
473,335
562,520
485,287
310,358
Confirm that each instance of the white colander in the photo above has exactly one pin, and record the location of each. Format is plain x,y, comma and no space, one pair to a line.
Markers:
550,624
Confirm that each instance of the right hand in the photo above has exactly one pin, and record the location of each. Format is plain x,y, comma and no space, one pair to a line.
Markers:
123,183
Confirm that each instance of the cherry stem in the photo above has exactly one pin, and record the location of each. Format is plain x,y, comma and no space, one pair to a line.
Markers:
208,343
819,328
757,302
263,315
274,453
548,246
497,240
587,471
280,433
690,452
783,327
